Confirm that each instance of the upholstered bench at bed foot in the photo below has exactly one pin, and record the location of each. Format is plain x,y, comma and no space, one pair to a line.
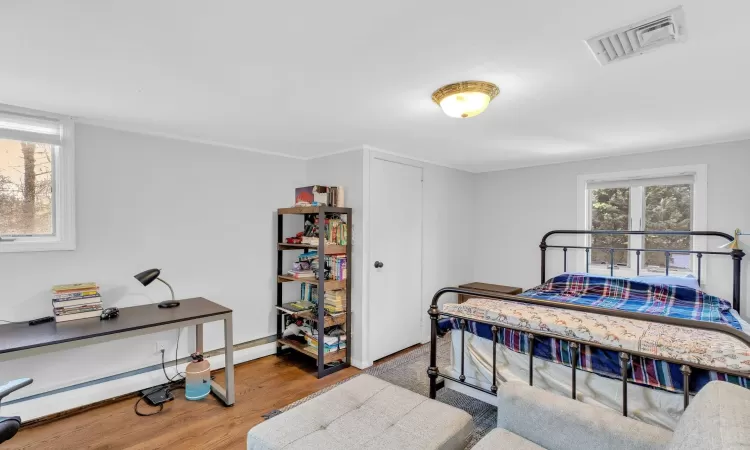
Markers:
365,413
499,439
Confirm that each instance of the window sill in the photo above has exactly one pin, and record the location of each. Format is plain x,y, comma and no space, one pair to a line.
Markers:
40,245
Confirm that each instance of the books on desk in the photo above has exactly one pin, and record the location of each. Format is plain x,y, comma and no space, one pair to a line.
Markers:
76,301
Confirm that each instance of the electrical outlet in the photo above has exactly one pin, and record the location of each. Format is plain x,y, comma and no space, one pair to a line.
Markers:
161,346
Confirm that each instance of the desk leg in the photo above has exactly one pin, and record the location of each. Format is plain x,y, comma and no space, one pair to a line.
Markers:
199,338
229,360
226,395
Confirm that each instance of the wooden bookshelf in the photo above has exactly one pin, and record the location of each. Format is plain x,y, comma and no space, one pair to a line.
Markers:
320,321
331,249
329,357
330,285
313,210
312,315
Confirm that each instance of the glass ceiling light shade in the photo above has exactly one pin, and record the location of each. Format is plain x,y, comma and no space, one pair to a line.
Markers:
466,98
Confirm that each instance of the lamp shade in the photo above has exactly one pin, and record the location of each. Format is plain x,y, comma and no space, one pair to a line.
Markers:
148,276
466,98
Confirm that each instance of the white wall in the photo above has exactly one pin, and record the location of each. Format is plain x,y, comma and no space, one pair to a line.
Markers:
346,169
203,214
516,207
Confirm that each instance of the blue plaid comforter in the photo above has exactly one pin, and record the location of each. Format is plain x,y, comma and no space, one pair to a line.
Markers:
622,294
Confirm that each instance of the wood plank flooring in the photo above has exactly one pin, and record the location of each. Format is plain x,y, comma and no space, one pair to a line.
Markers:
261,386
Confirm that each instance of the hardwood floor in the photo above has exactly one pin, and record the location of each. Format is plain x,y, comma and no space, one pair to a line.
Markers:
261,386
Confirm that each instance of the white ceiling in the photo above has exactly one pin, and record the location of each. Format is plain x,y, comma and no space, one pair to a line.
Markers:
307,78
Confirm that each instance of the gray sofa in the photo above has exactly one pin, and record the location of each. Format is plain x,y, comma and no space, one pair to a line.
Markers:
531,419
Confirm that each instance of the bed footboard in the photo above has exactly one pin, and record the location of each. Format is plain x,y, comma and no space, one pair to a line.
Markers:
434,373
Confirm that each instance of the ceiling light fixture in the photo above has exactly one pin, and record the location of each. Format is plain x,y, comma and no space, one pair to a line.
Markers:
466,98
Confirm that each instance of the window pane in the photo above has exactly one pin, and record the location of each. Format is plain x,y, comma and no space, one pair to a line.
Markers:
668,208
25,188
610,210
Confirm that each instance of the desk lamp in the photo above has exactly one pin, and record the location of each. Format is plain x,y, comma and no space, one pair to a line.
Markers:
148,276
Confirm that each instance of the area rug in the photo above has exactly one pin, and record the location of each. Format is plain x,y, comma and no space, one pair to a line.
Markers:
410,372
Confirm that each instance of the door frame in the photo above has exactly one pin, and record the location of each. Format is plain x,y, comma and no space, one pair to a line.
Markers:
370,154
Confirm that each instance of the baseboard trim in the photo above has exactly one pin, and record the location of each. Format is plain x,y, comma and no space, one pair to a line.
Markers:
362,365
71,400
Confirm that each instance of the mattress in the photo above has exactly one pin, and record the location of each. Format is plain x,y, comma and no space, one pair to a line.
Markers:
654,406
654,384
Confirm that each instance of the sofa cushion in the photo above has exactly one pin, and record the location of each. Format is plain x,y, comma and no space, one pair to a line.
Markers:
503,439
717,418
365,413
559,423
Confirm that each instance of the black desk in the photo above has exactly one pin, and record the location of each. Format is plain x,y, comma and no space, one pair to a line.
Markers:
21,340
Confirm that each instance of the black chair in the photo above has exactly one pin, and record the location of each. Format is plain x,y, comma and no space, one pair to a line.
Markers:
9,425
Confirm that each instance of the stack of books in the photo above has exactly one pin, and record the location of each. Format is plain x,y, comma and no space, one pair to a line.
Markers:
335,302
76,301
331,343
308,293
336,231
336,264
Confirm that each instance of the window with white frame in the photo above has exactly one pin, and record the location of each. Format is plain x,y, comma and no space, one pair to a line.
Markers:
665,199
36,181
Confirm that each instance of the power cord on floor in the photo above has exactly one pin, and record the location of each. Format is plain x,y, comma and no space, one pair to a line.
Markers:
172,385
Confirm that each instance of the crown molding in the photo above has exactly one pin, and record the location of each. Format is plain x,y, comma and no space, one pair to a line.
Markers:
500,168
178,137
411,158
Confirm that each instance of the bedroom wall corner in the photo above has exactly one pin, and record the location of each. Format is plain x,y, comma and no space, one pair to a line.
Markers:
520,205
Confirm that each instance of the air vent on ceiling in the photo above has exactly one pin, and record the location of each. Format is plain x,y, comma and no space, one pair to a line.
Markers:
639,38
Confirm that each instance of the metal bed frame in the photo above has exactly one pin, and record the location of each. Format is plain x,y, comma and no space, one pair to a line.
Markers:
686,367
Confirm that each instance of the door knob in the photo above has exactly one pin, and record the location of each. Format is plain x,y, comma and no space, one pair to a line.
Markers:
378,264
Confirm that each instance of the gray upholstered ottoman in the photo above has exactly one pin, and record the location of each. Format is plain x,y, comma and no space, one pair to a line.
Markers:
365,413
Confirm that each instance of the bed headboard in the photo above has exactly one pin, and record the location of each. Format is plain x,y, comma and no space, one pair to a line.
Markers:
736,254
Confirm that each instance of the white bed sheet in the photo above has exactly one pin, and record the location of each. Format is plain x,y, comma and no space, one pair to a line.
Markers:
652,406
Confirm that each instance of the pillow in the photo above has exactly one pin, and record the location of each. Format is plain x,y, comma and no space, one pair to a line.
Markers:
688,281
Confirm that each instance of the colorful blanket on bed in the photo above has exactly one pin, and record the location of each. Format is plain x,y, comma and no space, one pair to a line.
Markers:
663,341
627,295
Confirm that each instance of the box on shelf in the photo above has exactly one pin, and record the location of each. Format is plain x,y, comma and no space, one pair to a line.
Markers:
311,196
317,195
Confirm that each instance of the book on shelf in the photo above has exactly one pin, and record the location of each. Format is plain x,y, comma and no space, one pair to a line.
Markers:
308,293
297,307
330,343
335,302
336,232
336,266
308,256
301,273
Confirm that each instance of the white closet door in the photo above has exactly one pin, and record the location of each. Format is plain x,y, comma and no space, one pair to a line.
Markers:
395,305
